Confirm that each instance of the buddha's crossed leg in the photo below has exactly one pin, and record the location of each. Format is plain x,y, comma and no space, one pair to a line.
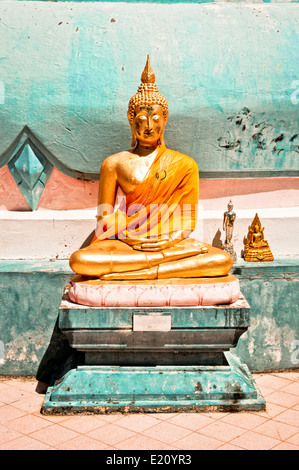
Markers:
113,259
212,263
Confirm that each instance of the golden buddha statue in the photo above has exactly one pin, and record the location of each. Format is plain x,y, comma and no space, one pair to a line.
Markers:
147,236
256,247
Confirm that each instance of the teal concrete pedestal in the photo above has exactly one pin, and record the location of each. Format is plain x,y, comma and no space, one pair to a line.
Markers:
154,359
106,389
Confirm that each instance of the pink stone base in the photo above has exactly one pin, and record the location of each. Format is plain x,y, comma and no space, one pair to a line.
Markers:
155,293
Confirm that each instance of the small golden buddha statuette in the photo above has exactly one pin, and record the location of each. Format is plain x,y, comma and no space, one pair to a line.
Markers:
229,218
256,247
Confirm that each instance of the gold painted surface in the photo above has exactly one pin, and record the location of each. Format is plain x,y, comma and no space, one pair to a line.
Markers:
256,247
147,236
173,281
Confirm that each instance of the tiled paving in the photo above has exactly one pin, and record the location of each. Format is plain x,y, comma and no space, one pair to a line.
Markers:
23,427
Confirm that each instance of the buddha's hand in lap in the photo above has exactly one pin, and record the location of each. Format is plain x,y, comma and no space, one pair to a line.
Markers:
149,244
159,244
155,245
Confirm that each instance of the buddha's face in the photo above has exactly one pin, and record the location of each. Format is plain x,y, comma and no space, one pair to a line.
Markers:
148,125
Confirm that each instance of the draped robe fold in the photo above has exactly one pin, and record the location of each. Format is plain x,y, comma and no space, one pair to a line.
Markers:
164,203
162,207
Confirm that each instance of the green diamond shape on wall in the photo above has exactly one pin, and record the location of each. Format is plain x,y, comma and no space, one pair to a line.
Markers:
31,171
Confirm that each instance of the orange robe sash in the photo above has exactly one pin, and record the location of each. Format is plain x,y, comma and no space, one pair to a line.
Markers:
164,203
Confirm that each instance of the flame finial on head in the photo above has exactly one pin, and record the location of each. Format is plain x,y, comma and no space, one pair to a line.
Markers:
148,75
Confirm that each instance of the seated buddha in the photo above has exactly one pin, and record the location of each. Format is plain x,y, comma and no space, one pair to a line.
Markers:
147,235
256,236
256,247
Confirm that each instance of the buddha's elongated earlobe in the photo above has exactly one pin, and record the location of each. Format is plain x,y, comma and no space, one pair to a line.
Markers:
134,141
161,139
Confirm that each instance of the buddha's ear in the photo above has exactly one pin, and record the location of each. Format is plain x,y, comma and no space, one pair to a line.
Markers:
162,134
134,140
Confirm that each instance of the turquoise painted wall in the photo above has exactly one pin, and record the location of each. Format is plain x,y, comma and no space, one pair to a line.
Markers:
168,1
228,70
271,289
30,296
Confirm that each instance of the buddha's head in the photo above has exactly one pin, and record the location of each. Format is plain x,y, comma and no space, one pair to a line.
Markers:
147,111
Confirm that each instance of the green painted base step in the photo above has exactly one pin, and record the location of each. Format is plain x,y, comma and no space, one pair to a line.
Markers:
107,389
